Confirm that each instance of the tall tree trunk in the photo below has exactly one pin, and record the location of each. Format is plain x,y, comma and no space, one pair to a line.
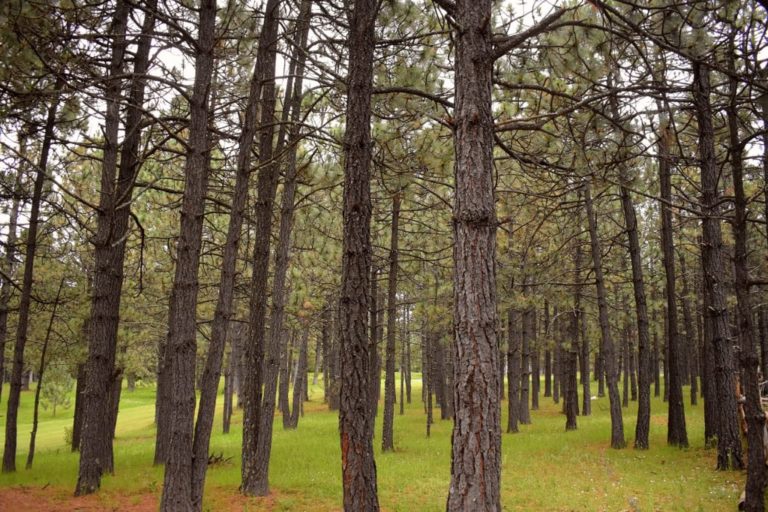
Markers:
676,431
182,326
729,455
690,332
535,365
224,304
11,417
41,374
476,440
388,436
77,421
525,377
292,112
109,247
513,371
357,462
548,353
586,404
642,427
252,484
755,416
607,348
300,382
9,259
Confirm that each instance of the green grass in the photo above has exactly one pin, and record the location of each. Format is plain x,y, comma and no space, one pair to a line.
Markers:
544,467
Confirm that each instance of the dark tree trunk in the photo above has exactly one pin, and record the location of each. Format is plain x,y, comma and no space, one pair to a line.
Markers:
11,417
557,359
607,348
115,391
525,374
387,436
476,440
109,253
356,429
9,260
41,374
252,484
711,418
691,334
655,356
228,395
535,367
586,407
271,364
300,381
547,354
755,416
182,329
571,387
513,371
286,360
642,427
77,421
729,455
375,363
763,328
676,431
407,355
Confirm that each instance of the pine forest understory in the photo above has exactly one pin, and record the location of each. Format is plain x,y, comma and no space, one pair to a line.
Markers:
369,255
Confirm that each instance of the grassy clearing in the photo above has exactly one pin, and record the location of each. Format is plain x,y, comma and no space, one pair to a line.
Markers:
544,467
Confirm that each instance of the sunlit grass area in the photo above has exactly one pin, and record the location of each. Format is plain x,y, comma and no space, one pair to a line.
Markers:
544,467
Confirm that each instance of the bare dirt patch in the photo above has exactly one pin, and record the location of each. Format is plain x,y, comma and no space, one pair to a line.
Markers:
54,499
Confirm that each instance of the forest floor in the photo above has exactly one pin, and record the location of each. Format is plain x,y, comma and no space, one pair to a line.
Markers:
544,467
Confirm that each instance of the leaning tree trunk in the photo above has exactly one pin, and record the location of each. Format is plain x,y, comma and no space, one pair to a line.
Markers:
223,314
182,327
476,439
387,436
11,417
729,454
607,349
357,463
642,427
109,248
271,364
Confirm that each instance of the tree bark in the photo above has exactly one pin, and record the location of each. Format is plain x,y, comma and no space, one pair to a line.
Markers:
252,484
755,416
476,440
41,374
182,326
11,417
109,247
513,371
357,462
729,455
607,348
676,431
387,436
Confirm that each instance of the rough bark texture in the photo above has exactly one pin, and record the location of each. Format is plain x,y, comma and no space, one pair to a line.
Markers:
607,348
753,411
266,187
388,432
181,343
109,248
476,452
525,374
642,427
676,431
11,417
292,111
355,423
729,455
223,313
